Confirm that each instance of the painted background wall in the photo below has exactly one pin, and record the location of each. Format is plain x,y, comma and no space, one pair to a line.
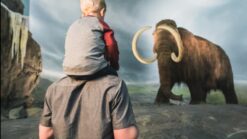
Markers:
221,21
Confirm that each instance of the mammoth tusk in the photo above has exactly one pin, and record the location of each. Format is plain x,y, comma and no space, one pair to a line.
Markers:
178,40
134,48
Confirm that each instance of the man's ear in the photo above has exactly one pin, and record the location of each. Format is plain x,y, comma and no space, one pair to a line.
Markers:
102,12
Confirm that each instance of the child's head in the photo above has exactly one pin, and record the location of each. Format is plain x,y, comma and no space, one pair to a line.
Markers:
93,7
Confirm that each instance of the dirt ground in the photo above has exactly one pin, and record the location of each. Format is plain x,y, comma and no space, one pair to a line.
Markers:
163,122
191,122
205,121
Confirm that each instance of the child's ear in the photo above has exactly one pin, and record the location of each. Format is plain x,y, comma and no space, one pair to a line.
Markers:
102,12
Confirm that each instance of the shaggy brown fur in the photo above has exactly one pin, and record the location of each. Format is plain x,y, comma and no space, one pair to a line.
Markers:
204,66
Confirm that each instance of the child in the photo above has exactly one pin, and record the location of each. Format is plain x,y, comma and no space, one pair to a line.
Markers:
90,47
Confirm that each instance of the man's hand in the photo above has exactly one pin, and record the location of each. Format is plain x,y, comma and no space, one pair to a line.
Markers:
126,133
45,132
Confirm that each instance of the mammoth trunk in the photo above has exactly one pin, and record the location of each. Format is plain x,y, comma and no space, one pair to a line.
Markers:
168,94
174,97
166,78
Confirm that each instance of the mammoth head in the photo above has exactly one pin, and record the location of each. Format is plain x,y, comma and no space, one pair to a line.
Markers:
167,25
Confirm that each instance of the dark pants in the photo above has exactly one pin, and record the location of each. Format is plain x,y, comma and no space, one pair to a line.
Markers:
105,71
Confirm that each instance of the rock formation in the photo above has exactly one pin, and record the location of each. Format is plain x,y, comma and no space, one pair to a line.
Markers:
14,5
20,58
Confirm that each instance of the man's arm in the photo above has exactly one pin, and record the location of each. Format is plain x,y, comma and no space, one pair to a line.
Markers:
45,132
45,125
126,133
123,119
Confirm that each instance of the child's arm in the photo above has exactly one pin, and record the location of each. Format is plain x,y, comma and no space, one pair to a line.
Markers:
112,53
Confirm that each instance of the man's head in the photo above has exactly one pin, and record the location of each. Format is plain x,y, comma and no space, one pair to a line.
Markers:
93,7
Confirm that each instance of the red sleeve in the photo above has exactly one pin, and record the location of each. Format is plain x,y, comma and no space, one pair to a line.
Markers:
111,53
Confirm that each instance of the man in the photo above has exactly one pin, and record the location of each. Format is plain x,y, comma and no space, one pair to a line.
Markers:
95,109
93,106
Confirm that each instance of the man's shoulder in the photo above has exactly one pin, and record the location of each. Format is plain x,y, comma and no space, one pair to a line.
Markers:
109,85
64,82
60,81
108,80
111,82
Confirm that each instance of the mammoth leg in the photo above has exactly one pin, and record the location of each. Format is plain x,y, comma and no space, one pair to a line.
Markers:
161,98
230,95
198,95
204,95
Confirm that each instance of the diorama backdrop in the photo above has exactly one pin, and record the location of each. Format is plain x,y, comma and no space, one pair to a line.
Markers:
220,21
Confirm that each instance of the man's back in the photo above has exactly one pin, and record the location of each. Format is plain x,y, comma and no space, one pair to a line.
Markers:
87,109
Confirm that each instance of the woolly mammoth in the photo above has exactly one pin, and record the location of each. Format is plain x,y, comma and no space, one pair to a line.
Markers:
186,58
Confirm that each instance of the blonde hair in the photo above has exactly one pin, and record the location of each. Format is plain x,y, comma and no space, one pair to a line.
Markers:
93,6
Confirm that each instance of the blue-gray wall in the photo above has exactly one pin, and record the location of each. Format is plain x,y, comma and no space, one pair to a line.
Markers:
26,7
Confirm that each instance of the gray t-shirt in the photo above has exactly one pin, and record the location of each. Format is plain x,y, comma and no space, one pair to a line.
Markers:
78,109
84,47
